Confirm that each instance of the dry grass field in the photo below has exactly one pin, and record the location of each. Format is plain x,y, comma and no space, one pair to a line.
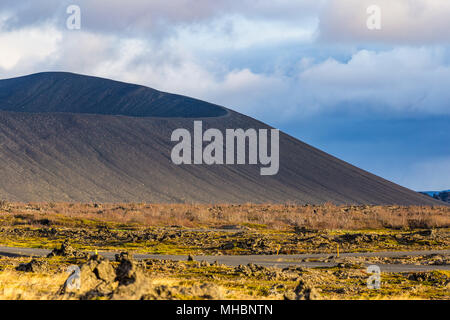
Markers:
272,216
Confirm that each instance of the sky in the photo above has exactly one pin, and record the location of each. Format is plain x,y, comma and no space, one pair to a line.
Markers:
369,87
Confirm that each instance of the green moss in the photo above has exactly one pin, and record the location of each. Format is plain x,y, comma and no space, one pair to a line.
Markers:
256,226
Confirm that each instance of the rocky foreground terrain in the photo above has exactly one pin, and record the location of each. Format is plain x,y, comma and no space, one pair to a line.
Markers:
126,278
172,240
80,235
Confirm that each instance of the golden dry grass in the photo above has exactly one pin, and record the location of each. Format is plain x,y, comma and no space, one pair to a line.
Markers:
273,216
15,285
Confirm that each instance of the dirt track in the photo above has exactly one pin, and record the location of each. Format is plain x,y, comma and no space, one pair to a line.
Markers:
267,260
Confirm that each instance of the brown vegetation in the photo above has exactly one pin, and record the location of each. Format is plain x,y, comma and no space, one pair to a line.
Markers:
325,217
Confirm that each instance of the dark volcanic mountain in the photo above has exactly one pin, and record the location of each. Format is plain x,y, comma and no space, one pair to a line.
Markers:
67,137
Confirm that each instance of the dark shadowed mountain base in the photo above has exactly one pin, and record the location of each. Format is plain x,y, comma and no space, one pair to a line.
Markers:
66,137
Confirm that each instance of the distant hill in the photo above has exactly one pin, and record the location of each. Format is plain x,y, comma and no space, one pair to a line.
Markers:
69,137
439,195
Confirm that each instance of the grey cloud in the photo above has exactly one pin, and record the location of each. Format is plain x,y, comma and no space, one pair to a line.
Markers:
157,16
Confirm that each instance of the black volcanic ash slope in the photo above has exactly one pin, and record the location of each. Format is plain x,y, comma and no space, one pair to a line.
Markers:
67,137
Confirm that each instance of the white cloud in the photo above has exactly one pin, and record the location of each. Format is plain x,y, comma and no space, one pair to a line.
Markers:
23,48
399,80
236,32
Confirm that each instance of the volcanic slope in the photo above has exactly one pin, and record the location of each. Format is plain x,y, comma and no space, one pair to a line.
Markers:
69,137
